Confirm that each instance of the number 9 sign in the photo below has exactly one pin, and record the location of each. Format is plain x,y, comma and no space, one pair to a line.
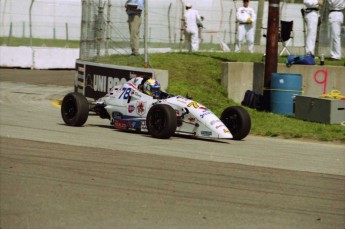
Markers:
323,80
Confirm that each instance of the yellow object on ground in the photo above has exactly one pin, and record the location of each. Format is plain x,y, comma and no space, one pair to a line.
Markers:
57,102
334,94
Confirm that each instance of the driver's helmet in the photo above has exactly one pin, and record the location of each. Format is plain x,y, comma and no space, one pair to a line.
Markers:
152,88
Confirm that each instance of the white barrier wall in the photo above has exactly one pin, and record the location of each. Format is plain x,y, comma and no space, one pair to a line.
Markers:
51,58
9,57
38,57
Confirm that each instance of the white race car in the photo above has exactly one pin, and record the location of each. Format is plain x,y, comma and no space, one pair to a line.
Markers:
140,105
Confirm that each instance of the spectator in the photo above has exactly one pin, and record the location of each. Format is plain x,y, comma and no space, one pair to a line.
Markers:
311,17
134,10
192,19
335,20
246,18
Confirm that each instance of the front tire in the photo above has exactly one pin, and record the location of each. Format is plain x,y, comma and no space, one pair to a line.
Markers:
74,109
161,121
237,120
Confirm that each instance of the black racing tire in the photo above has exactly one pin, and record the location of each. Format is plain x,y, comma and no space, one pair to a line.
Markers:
161,121
237,120
74,109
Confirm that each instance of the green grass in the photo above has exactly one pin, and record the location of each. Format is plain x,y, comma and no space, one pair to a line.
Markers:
15,41
199,76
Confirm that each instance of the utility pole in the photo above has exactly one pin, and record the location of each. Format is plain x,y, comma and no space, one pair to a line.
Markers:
271,57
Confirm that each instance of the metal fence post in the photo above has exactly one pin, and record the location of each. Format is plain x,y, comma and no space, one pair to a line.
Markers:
66,26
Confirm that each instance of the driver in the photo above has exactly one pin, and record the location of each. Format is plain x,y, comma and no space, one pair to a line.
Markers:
152,88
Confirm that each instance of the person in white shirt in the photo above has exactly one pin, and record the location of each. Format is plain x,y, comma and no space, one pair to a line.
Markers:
335,20
192,19
246,18
311,17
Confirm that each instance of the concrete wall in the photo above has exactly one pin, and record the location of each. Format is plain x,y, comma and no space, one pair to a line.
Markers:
38,57
238,77
50,57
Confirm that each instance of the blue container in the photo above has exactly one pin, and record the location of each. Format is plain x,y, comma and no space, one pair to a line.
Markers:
284,88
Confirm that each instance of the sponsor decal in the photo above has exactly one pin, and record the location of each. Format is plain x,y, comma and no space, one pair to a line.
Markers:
193,104
219,126
134,124
204,109
125,93
141,108
206,133
102,83
226,131
197,106
120,124
131,108
205,114
136,94
125,125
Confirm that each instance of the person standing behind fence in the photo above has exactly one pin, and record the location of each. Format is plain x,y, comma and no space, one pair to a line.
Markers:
335,20
311,17
246,18
192,19
134,10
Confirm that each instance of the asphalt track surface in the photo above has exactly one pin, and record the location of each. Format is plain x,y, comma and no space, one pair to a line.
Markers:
55,176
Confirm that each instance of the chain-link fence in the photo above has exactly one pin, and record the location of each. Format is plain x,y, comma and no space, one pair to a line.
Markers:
102,29
38,22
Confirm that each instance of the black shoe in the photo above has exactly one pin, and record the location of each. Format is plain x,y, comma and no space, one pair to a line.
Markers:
135,54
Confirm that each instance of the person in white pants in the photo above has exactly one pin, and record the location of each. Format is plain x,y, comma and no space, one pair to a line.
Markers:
311,17
192,19
246,18
335,20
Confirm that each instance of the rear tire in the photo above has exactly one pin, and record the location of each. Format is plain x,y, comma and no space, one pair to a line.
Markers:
161,121
237,120
74,109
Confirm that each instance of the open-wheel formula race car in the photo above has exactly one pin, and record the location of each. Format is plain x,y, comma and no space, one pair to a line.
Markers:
139,105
